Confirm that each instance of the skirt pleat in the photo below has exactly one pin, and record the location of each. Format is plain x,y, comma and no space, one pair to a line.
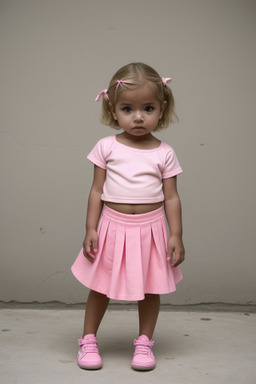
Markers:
131,260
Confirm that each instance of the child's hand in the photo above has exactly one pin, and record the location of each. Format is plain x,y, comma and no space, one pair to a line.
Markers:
90,245
176,251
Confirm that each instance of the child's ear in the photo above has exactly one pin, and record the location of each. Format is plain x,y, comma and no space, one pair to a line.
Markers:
163,107
112,110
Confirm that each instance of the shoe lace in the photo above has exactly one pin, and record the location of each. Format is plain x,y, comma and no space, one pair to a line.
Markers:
90,346
143,347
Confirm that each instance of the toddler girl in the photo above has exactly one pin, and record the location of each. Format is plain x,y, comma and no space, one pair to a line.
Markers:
126,254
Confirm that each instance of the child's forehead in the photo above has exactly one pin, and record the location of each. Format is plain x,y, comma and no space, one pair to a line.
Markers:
143,92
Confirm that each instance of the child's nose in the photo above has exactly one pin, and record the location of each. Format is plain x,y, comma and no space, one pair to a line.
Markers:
138,116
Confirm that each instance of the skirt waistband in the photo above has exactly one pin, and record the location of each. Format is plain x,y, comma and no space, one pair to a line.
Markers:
130,218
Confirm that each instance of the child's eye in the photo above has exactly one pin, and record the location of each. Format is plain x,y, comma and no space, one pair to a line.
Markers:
126,109
149,108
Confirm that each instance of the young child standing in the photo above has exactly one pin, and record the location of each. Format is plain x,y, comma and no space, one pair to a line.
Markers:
126,254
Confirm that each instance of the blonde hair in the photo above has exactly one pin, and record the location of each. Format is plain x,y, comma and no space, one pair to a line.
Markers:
134,74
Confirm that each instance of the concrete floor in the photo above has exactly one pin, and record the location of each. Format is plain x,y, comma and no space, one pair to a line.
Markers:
40,346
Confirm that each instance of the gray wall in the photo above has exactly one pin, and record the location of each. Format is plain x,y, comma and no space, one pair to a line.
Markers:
55,57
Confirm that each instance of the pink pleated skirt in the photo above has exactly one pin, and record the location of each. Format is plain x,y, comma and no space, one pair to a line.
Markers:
131,259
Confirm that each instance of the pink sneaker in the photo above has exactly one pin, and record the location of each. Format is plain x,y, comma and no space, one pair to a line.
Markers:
143,358
88,355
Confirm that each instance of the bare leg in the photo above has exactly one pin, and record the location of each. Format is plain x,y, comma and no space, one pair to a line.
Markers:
148,314
96,306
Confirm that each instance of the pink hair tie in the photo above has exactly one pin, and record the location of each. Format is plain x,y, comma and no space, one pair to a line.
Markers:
119,82
165,80
104,92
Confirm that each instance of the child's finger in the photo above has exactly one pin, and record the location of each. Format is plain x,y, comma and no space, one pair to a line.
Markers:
169,254
175,263
179,257
85,248
87,252
95,245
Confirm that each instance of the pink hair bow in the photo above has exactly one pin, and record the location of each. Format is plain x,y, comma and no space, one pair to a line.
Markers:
119,82
104,92
122,82
165,80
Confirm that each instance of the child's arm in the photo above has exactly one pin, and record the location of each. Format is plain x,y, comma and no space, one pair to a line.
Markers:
174,219
93,213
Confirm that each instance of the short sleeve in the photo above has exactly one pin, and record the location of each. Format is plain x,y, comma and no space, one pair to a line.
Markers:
98,154
172,166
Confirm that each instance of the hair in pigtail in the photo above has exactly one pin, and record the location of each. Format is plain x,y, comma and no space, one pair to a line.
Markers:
106,115
169,115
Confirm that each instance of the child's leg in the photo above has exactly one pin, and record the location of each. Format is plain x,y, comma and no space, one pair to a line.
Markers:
96,306
148,314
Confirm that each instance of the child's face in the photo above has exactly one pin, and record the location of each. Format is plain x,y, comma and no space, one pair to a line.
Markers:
138,110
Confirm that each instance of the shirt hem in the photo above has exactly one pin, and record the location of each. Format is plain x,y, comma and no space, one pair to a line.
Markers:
127,200
172,174
93,160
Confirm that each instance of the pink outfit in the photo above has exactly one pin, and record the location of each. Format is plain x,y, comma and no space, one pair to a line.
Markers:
131,259
134,176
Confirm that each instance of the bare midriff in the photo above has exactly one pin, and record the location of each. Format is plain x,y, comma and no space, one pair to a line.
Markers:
133,209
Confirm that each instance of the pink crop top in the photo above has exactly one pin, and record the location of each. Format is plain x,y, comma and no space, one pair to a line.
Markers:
134,176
